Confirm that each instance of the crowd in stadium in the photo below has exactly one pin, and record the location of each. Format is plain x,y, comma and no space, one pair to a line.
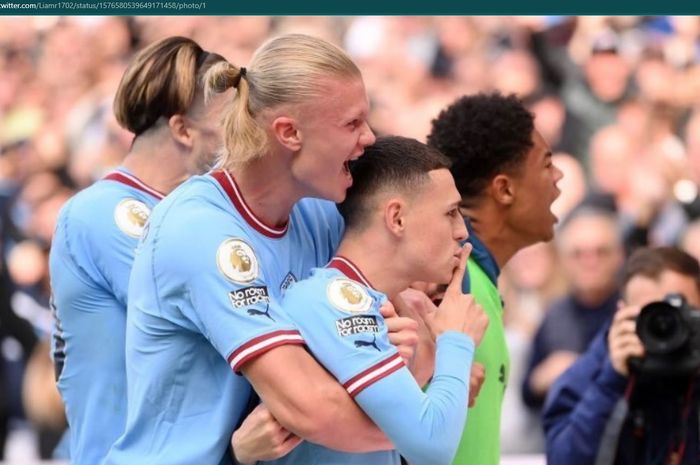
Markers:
616,98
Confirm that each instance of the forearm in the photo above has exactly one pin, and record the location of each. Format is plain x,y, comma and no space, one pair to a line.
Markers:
352,430
318,409
423,363
575,420
425,427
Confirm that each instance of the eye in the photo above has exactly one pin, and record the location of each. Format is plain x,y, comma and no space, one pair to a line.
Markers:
453,213
355,123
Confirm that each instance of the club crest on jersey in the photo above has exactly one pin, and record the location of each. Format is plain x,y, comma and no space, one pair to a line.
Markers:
237,261
348,296
131,216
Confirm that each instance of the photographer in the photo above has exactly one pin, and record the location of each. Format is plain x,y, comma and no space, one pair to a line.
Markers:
601,412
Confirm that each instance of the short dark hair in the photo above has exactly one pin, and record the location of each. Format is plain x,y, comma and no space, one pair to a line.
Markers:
483,135
392,163
651,262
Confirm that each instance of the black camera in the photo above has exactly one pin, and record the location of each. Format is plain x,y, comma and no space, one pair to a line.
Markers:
670,332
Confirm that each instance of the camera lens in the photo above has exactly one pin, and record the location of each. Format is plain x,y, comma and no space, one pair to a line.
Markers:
661,329
662,326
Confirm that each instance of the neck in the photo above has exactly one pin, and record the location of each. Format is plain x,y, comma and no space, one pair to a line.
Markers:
490,225
268,188
593,297
157,162
376,258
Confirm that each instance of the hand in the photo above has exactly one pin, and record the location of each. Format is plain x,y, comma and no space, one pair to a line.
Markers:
623,341
403,331
476,380
416,304
549,369
459,311
434,291
260,437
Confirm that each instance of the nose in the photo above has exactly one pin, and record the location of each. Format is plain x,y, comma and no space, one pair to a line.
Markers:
558,174
367,137
460,231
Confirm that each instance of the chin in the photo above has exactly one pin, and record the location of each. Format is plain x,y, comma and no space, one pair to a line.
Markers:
339,197
444,279
548,236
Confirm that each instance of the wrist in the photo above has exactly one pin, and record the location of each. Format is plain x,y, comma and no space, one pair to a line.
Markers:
239,459
236,461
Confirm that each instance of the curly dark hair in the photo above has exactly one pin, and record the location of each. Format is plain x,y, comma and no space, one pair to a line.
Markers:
483,135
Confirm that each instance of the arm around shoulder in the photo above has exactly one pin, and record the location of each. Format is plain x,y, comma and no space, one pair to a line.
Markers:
308,401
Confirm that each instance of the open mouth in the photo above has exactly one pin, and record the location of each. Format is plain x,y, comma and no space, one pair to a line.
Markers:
346,167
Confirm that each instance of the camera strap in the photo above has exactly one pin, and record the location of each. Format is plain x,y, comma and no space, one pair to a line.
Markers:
677,449
607,451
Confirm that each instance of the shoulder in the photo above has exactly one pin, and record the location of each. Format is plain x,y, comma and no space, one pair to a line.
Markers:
311,288
328,288
105,209
194,225
196,208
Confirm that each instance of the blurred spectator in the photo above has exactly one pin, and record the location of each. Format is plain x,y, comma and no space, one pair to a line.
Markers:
686,190
550,117
529,283
17,341
593,94
591,253
572,185
637,185
606,411
690,243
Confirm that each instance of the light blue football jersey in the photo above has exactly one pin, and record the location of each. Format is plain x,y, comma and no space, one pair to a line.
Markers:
90,261
337,313
203,300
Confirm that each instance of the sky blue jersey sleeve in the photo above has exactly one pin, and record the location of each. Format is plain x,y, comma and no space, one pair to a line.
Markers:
220,285
341,324
96,235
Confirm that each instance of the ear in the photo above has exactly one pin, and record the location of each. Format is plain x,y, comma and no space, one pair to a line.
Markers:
395,216
503,189
287,133
180,130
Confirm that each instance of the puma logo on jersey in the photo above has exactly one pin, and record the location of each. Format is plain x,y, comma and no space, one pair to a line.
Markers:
256,312
372,343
